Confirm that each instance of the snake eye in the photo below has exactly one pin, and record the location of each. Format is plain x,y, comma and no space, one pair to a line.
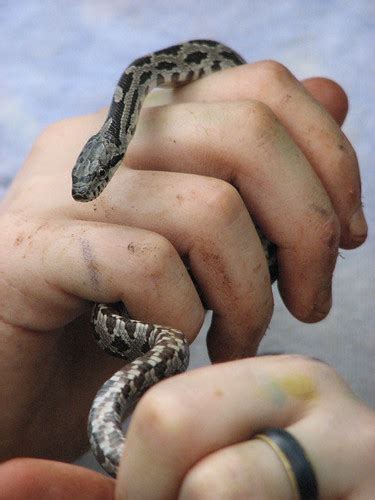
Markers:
102,173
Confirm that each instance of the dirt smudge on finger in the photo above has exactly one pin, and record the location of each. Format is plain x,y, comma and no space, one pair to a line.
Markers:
19,239
91,264
319,209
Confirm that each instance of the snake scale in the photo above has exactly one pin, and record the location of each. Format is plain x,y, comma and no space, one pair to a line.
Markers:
152,352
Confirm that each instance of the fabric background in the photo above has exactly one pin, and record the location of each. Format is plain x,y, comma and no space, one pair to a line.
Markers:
59,59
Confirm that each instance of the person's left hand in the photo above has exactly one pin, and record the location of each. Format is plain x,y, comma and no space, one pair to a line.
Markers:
189,444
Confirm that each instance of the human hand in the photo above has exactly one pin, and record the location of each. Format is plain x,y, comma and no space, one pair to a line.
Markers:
183,443
57,255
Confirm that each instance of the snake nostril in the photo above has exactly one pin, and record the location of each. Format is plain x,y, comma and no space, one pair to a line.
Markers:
79,194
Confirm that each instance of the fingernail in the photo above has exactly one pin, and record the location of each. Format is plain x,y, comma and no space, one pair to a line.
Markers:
358,225
323,304
325,297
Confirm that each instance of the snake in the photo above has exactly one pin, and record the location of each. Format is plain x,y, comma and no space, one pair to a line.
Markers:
152,352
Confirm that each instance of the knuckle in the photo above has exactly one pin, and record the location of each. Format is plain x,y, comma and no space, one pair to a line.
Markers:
201,483
161,420
256,119
162,250
155,252
327,234
297,360
322,234
222,203
345,154
275,71
49,134
212,476
316,368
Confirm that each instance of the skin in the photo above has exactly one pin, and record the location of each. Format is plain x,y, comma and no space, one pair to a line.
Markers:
218,456
255,128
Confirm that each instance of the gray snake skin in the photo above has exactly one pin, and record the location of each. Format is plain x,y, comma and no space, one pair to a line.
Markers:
153,352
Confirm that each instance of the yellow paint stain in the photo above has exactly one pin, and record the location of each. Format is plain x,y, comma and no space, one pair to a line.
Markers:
297,386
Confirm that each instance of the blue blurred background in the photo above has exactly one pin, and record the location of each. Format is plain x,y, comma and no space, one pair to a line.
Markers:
58,59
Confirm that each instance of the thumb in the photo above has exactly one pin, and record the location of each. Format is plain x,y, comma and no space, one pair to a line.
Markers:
330,95
37,479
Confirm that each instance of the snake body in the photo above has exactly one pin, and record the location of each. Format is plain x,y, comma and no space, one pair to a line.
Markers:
153,352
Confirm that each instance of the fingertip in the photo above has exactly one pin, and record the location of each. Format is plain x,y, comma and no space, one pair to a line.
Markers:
37,479
331,95
226,342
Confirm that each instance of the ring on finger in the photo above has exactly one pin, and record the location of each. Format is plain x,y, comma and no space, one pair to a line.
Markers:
295,462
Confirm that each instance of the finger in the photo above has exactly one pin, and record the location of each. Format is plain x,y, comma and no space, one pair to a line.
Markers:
45,480
328,92
304,225
305,231
341,471
258,474
331,95
312,128
208,224
110,263
167,435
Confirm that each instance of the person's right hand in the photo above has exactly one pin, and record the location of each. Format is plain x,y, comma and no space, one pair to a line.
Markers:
249,139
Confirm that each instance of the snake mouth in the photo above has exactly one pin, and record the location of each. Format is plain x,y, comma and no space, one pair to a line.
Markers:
81,194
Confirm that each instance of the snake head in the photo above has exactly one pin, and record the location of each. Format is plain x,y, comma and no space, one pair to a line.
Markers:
95,167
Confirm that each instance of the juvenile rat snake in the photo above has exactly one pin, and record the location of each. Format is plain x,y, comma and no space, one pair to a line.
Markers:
153,352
